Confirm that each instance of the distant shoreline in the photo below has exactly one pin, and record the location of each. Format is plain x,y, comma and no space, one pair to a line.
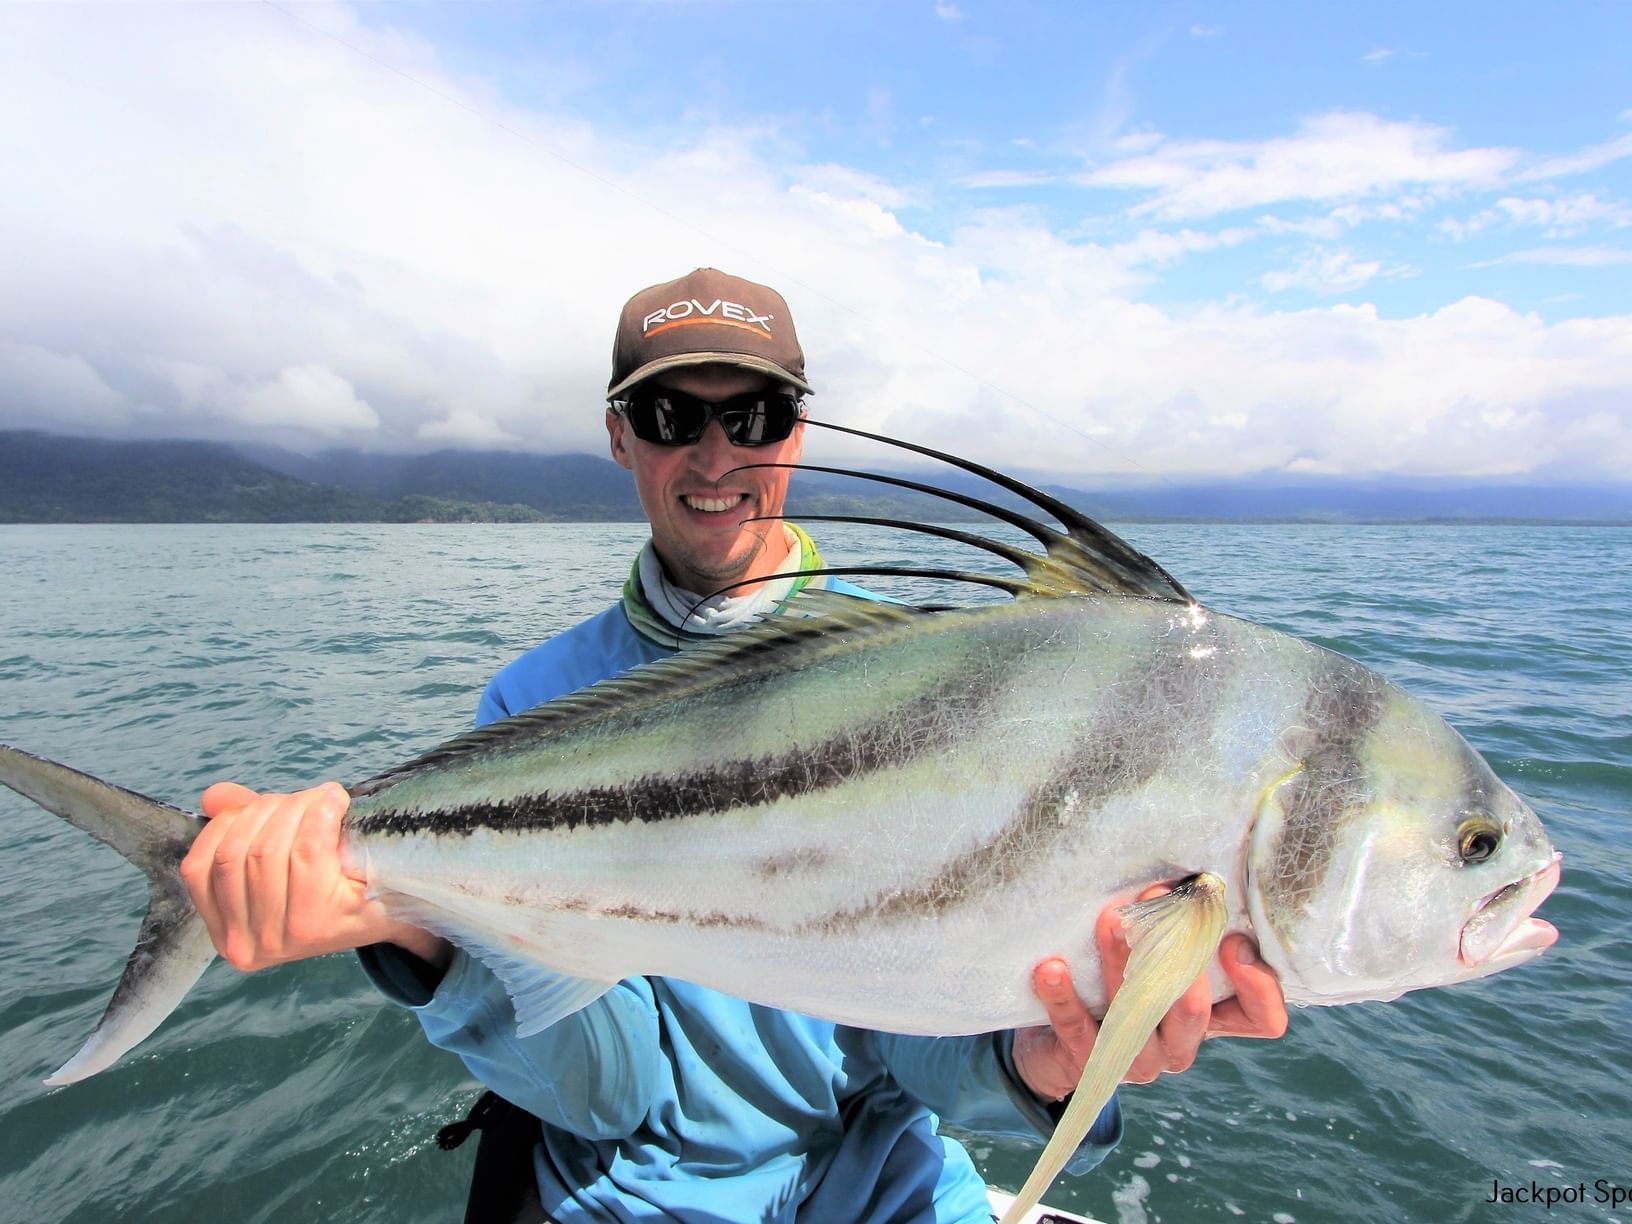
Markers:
54,479
1143,521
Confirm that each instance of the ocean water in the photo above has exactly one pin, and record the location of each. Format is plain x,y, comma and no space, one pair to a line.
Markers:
167,657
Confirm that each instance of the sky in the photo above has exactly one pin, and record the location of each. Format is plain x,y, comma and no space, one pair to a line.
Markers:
1267,241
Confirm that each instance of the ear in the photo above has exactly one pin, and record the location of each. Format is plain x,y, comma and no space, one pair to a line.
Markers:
796,443
617,432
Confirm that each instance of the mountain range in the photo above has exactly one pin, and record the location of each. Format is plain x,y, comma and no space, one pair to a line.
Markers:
49,478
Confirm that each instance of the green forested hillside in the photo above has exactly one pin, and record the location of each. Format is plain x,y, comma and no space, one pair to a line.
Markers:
49,479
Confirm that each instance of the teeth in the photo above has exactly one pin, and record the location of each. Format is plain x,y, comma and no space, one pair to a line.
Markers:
713,504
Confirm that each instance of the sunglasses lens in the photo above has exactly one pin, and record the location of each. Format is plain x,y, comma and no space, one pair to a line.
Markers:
762,421
667,419
673,418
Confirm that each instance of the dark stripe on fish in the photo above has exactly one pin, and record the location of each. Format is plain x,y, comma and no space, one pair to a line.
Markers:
1125,747
1340,712
954,710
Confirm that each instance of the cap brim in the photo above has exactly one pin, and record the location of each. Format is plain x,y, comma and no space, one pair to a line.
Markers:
676,361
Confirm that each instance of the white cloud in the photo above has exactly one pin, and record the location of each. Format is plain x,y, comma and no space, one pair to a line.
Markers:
466,427
1345,217
219,224
1008,178
1326,229
1578,163
1565,256
1150,247
1339,155
1141,141
1336,156
1325,272
45,389
948,11
310,397
852,198
1206,31
1558,218
1379,56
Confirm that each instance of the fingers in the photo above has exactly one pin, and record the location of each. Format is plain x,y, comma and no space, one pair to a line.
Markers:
1176,1040
1180,1033
265,875
1073,1024
1050,1059
231,874
225,797
1258,1008
225,803
319,892
1155,1057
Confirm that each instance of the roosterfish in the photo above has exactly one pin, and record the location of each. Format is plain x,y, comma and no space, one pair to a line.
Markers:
886,815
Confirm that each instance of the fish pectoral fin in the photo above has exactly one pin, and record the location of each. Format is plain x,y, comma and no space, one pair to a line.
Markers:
1171,939
541,995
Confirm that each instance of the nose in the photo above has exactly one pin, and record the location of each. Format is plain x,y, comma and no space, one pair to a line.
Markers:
713,452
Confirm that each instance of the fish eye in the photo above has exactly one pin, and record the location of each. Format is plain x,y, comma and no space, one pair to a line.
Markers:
1476,841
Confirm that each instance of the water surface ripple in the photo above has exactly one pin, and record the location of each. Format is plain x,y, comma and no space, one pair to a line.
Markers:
167,657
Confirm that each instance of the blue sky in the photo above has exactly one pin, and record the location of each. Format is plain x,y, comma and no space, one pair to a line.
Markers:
951,101
1273,239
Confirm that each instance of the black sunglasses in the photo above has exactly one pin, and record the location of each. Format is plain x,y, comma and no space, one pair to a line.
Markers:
673,418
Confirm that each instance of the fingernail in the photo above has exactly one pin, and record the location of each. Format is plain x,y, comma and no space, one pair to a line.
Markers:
1246,954
1052,977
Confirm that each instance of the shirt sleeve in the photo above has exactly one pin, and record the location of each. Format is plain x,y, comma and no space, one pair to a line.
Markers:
469,1014
491,707
972,1082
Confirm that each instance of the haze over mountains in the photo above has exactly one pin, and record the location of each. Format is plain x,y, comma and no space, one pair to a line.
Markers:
47,478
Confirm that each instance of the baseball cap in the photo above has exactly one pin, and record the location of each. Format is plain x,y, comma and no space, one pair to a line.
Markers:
706,317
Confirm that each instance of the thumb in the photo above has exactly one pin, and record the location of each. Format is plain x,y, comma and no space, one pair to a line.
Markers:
226,797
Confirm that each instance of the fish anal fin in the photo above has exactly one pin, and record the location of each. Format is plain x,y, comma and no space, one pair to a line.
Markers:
1171,940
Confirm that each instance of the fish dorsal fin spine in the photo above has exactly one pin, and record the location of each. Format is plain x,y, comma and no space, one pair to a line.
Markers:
1082,559
1085,558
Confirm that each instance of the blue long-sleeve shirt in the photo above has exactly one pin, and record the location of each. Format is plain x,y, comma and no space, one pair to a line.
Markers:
664,1099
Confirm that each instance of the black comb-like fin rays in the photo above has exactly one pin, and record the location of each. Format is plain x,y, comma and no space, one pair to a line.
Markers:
1084,558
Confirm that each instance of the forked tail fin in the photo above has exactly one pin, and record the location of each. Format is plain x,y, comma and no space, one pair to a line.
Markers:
173,948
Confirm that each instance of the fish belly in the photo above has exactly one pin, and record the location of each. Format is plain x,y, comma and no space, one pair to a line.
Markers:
891,838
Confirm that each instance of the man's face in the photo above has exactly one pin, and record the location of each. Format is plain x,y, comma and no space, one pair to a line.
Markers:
698,512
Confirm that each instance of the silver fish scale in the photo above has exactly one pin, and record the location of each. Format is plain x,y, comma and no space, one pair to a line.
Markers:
1061,762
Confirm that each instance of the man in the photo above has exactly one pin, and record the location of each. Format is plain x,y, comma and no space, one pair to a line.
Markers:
663,1099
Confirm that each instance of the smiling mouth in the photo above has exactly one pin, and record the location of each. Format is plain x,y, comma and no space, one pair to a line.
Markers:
713,505
1502,929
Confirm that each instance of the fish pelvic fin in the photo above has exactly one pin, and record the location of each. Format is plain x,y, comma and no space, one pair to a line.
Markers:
1171,939
173,947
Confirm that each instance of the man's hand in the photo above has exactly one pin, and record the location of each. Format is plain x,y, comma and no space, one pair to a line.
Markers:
1050,1059
265,875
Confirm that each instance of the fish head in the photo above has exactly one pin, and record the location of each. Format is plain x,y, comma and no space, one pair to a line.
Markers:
1391,858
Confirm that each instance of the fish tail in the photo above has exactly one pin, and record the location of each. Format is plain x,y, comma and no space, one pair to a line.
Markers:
173,947
1170,939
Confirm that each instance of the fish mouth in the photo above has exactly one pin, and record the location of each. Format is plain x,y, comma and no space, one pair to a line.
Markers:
1502,932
